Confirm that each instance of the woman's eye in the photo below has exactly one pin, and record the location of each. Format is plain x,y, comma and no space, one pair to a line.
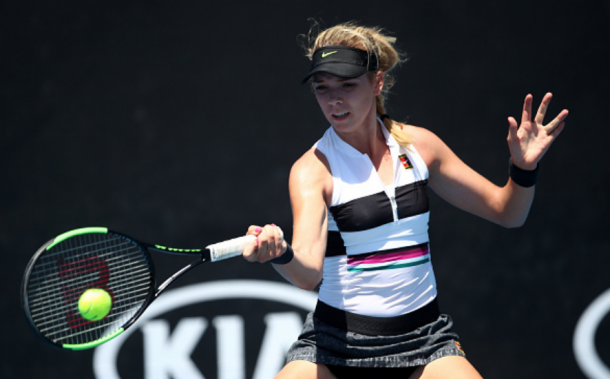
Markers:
319,88
348,85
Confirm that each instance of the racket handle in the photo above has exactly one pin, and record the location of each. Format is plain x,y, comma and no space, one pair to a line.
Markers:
233,247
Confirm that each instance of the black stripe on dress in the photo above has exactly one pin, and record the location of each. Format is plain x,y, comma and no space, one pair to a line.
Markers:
413,199
374,210
335,245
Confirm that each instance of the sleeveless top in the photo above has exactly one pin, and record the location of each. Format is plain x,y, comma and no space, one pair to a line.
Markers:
377,259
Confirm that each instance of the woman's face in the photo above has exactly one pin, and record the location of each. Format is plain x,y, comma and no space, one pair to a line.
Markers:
346,103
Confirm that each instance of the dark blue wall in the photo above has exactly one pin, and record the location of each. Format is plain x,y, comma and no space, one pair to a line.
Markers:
178,122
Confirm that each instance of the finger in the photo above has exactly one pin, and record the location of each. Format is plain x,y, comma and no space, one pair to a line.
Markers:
558,129
250,252
272,234
254,230
526,115
262,253
543,108
512,128
559,120
279,240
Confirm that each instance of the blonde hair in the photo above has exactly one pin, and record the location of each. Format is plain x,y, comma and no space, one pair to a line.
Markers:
375,41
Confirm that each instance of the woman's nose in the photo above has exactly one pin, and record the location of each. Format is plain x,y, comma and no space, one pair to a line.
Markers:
334,97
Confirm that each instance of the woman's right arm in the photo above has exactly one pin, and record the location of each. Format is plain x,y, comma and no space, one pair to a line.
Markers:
310,186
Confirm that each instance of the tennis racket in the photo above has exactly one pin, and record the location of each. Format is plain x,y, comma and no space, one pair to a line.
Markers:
64,268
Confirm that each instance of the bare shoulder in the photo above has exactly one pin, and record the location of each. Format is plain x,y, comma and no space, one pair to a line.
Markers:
311,164
422,137
311,173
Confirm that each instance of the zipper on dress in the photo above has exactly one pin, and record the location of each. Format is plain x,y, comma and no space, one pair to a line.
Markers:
392,197
394,207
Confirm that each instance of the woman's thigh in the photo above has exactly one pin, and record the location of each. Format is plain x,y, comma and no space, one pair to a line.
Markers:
453,367
304,370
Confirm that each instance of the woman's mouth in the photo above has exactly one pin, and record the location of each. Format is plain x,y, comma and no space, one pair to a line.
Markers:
340,115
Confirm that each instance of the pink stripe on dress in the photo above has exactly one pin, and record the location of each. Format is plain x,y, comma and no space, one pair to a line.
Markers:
419,251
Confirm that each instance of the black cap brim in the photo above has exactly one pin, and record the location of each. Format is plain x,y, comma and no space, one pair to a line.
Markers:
342,70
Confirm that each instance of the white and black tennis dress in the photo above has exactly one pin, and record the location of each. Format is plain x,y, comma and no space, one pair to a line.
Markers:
378,283
378,257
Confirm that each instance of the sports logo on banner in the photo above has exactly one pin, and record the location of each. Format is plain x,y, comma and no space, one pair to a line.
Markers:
235,329
585,350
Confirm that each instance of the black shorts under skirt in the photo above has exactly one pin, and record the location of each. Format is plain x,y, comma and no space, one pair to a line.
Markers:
336,338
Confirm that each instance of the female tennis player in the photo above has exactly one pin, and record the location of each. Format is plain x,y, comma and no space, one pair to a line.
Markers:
360,206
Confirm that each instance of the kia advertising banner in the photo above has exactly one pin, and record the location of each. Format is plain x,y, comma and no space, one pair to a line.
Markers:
178,123
226,319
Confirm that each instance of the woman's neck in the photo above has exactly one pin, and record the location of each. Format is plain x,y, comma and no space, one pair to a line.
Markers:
368,138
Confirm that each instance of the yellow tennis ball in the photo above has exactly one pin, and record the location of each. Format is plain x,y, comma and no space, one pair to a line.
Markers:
94,304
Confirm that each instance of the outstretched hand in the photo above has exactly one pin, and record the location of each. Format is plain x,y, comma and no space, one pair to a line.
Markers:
529,141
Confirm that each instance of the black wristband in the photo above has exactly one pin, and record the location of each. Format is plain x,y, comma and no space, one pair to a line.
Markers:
284,258
523,178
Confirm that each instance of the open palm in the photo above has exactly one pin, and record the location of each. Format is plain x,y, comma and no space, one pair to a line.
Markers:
529,141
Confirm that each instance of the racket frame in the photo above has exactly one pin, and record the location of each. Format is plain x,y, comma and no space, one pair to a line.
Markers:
153,291
212,253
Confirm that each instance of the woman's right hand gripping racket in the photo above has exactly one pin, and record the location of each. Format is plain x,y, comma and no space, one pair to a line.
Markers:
87,286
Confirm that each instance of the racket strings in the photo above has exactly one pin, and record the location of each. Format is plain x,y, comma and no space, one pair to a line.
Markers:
93,276
130,294
70,255
69,332
64,272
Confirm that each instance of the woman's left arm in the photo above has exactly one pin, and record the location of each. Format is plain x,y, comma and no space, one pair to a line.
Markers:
461,186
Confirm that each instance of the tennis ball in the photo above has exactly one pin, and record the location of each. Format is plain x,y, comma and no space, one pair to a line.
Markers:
94,304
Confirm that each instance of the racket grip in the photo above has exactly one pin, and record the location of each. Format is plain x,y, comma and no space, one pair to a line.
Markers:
232,248
229,248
